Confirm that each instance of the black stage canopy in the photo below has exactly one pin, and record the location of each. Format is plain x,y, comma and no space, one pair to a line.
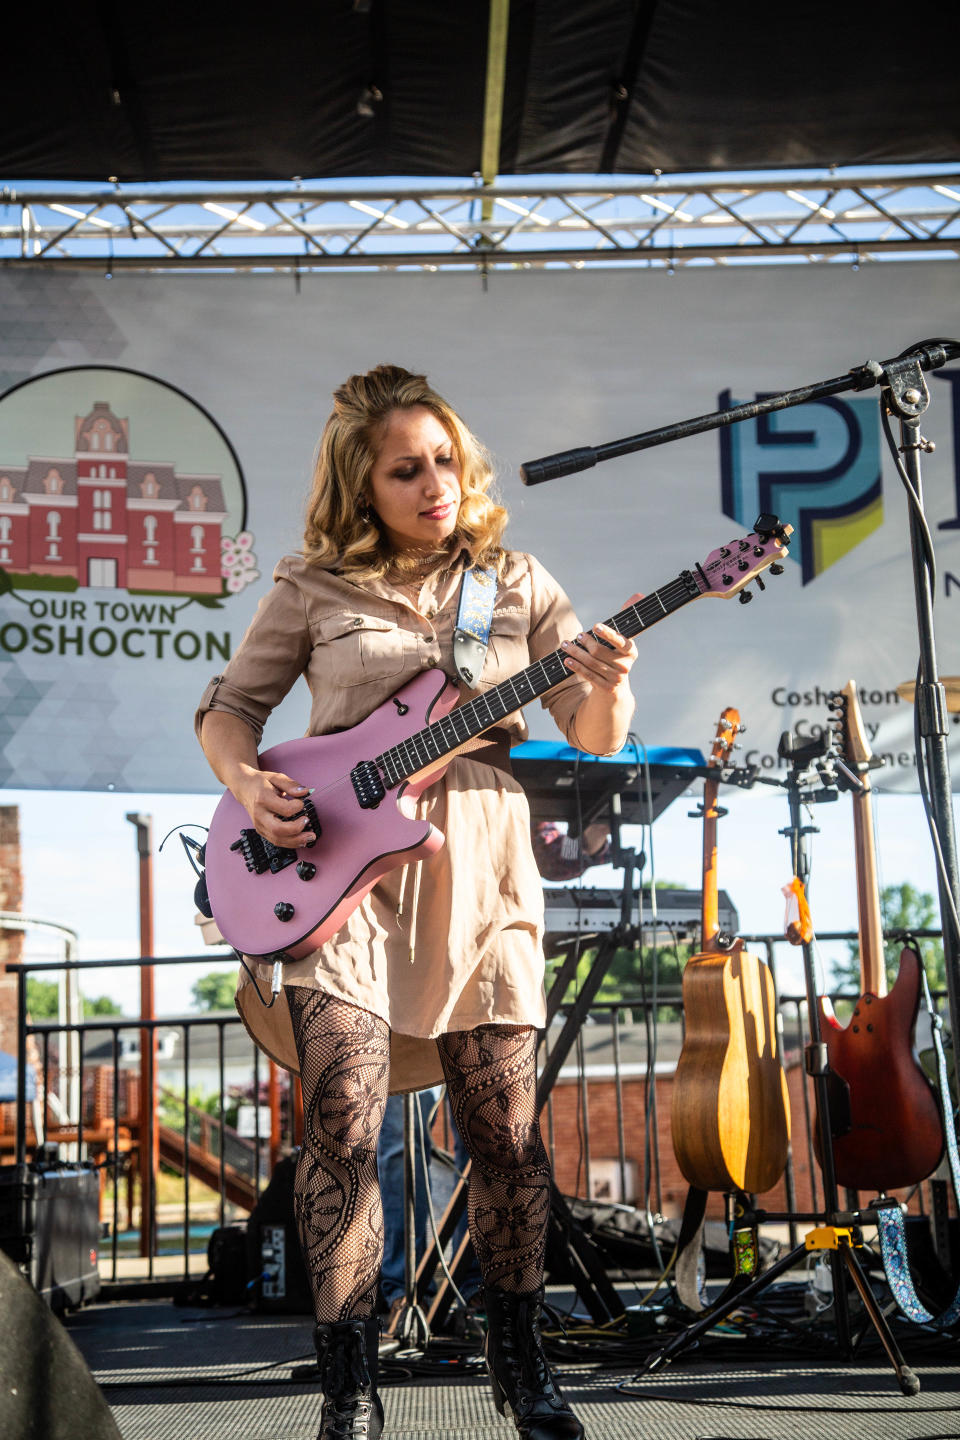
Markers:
212,91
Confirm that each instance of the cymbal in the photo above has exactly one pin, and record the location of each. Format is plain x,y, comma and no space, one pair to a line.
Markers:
950,683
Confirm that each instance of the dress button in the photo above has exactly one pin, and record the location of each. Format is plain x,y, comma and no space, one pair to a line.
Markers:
431,612
357,623
431,662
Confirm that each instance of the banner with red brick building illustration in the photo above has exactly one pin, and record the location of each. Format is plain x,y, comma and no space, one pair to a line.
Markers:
156,443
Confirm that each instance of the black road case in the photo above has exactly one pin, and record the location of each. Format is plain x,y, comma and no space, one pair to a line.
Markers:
50,1226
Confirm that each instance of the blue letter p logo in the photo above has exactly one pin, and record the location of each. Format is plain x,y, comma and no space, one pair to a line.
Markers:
816,466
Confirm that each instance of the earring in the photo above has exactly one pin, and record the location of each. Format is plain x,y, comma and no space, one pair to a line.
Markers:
365,513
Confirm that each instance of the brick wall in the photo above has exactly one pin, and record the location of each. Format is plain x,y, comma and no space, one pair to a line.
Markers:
570,1166
11,941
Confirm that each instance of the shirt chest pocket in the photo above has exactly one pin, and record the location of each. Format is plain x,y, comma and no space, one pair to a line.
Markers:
508,644
362,648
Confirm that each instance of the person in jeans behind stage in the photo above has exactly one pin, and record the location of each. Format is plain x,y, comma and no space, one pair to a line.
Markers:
390,1167
438,973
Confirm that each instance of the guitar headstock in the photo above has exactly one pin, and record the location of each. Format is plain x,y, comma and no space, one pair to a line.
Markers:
729,569
728,727
846,723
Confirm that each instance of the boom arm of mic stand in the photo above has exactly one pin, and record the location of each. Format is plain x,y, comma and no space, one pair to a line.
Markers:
930,354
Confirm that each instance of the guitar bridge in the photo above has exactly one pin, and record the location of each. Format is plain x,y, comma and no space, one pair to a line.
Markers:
260,855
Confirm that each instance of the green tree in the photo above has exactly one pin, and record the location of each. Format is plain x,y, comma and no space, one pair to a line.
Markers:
43,1001
631,971
43,998
214,991
103,1005
902,907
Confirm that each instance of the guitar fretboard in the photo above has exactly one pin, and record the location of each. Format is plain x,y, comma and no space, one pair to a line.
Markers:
437,740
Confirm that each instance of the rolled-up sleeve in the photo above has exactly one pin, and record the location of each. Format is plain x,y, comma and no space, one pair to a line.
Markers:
271,656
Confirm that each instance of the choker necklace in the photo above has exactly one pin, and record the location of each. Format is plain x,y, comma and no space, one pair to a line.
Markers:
417,562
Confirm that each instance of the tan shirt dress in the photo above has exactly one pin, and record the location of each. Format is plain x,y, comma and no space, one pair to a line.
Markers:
454,941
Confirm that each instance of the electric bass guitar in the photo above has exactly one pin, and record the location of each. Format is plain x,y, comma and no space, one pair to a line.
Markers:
730,1113
884,1115
282,903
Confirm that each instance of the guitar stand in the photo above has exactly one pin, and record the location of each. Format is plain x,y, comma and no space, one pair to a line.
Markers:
837,1234
841,1243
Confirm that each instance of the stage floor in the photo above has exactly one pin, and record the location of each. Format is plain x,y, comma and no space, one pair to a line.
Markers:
216,1374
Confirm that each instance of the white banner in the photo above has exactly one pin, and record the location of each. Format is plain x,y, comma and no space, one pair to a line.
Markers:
156,437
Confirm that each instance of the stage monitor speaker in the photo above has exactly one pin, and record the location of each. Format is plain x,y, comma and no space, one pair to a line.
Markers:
46,1390
273,1248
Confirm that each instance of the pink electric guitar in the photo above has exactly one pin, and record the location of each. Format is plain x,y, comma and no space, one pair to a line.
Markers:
270,901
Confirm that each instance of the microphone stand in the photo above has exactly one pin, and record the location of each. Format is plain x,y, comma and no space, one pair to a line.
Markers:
904,394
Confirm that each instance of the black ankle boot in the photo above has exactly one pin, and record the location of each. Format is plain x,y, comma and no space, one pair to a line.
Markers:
347,1360
519,1372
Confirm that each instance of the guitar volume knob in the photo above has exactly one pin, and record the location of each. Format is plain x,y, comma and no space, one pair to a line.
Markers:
305,870
283,910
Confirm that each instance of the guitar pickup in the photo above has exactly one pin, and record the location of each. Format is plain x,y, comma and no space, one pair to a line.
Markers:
367,785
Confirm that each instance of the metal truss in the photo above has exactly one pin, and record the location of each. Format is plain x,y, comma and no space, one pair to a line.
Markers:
664,222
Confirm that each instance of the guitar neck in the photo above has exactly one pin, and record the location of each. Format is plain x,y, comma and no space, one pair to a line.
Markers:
873,970
710,910
434,742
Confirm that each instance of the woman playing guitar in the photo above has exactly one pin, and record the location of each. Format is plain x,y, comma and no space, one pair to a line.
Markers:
437,974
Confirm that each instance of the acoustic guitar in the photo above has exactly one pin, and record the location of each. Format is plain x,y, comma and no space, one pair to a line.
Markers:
730,1113
275,902
885,1119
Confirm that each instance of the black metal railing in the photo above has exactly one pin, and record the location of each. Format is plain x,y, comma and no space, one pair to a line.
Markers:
201,1142
108,1121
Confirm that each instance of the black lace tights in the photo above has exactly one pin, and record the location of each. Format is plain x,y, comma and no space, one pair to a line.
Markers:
492,1084
491,1080
344,1070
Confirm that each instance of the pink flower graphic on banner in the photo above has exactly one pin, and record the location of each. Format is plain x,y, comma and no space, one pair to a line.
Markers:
238,563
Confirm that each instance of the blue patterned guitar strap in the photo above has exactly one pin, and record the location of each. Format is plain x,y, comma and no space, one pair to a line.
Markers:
478,591
890,1223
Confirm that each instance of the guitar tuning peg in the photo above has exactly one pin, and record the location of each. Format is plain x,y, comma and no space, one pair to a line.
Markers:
745,597
760,584
776,569
741,729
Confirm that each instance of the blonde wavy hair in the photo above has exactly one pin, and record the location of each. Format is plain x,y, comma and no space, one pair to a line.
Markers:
342,532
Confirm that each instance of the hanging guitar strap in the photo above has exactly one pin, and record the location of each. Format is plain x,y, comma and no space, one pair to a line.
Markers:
890,1223
478,591
688,1267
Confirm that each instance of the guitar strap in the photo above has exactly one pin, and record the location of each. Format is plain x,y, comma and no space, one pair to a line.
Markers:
890,1223
688,1267
478,592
